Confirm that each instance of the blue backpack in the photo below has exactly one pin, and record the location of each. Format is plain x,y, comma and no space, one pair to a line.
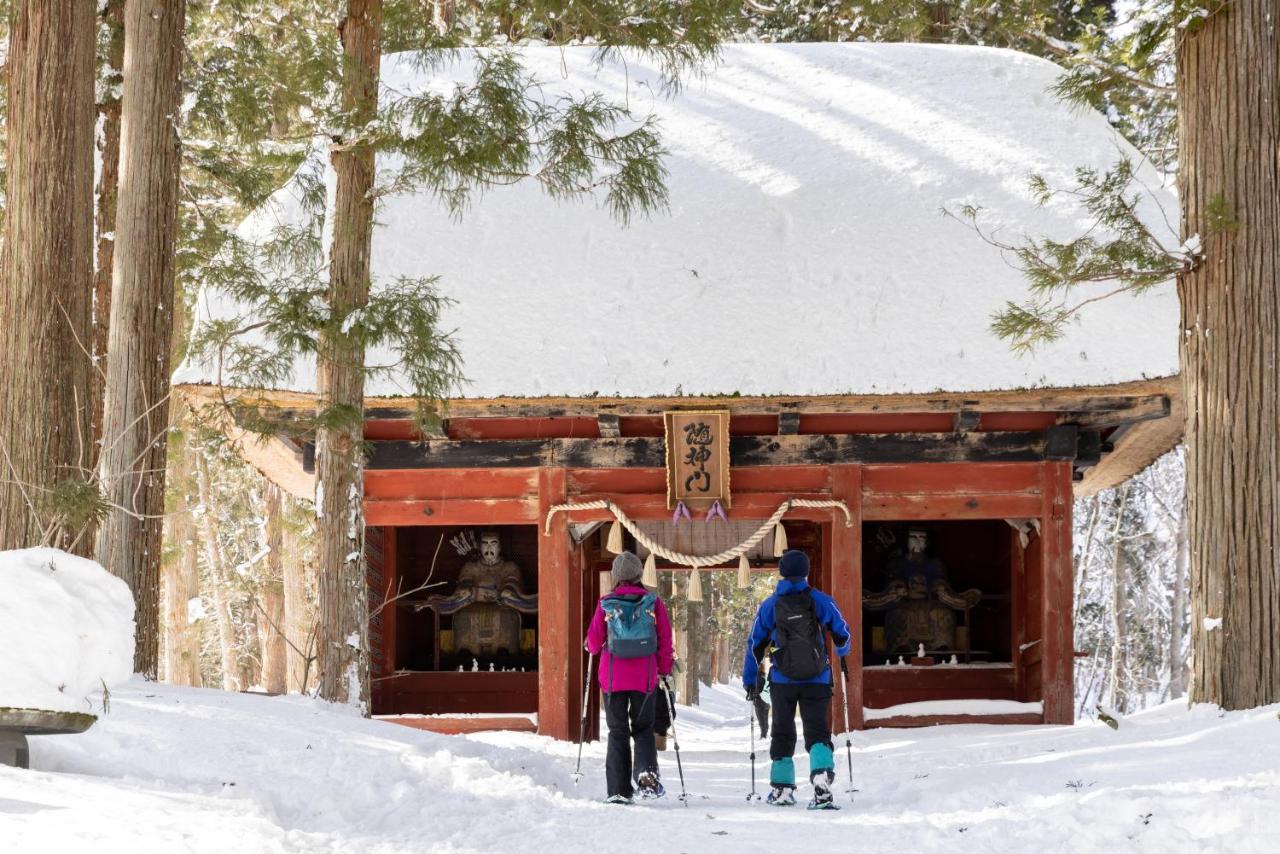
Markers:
632,624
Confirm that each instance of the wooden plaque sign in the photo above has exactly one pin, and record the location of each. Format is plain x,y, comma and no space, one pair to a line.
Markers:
697,458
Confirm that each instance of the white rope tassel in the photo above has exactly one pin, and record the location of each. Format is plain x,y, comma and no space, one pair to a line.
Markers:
650,576
744,572
615,539
779,540
695,585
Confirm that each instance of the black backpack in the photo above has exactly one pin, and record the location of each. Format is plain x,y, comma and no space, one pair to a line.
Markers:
800,651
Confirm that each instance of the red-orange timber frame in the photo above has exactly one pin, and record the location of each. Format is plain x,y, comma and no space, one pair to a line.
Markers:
1043,667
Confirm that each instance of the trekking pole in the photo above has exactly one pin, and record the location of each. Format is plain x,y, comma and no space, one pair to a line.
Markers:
848,740
675,740
751,724
582,727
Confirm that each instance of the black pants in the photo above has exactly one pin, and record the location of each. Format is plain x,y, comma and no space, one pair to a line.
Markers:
629,715
815,715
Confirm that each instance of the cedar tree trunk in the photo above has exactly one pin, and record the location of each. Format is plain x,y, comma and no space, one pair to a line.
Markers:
343,637
47,265
182,582
108,186
1229,184
273,647
218,576
1177,611
136,412
299,616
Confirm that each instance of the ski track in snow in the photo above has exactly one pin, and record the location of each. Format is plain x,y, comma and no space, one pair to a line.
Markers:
179,769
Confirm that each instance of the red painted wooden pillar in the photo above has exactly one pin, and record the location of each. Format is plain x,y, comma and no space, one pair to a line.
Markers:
845,576
556,615
1057,666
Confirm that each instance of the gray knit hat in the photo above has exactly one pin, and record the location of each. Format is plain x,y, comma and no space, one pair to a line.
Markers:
626,567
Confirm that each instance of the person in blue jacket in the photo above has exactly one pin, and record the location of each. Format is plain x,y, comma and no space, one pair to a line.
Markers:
789,628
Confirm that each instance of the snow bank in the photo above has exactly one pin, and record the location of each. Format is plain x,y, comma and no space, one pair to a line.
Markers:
66,629
803,252
954,707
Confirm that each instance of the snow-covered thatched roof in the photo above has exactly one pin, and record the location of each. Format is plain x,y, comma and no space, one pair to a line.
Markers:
804,252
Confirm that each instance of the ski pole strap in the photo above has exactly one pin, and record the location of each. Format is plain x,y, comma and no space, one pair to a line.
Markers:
844,665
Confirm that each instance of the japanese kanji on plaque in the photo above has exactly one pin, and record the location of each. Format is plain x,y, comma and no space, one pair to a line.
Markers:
697,458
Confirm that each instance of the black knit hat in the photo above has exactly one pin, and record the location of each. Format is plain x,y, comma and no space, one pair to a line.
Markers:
794,564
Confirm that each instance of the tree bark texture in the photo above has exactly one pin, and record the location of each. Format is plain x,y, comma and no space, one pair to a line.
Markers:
1177,611
216,564
272,616
1119,596
299,616
110,76
1229,184
47,262
343,637
135,418
182,583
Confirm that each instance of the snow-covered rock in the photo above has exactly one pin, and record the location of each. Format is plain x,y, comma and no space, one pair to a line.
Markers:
66,630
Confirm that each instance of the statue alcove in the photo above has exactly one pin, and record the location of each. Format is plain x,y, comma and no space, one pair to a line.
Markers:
968,615
444,627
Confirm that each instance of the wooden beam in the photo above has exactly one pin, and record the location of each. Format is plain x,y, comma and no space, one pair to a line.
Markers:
555,616
788,423
804,450
845,572
955,478
995,505
437,484
459,511
609,425
1081,401
1135,447
1058,662
966,420
1141,408
1061,441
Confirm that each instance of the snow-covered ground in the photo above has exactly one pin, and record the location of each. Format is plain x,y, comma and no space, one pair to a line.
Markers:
174,770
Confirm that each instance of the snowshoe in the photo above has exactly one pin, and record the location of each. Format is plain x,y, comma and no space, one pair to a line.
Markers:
620,799
822,797
781,796
649,786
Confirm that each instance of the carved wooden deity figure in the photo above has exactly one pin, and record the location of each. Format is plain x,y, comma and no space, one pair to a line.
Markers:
487,602
920,603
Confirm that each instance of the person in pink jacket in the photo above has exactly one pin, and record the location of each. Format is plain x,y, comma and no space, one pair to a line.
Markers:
629,685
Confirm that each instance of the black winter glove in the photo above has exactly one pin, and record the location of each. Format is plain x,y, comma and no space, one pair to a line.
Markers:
753,693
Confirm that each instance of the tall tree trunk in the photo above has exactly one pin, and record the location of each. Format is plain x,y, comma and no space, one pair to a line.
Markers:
694,653
1229,185
343,639
1118,588
1177,610
47,265
299,616
182,582
110,77
135,422
273,646
218,575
